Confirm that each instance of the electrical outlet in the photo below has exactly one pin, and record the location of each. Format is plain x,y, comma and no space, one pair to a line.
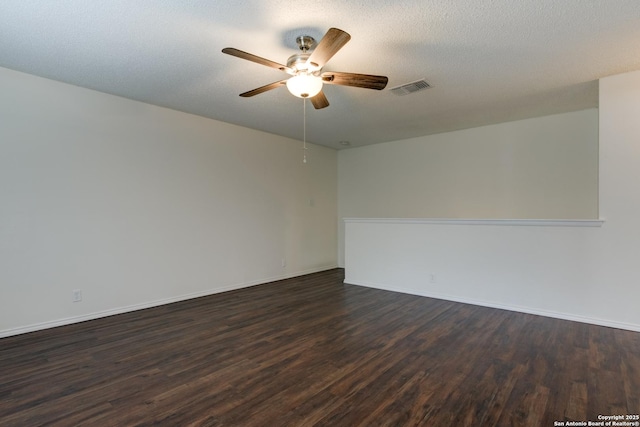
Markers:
284,262
77,295
432,278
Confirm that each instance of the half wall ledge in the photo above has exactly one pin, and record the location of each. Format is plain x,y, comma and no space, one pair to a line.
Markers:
464,221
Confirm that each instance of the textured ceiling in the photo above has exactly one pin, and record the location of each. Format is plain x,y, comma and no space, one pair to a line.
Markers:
488,61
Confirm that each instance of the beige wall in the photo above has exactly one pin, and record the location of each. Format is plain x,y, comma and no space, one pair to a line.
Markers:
138,205
561,268
544,167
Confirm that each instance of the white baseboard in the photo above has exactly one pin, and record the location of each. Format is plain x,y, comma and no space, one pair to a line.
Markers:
156,303
490,304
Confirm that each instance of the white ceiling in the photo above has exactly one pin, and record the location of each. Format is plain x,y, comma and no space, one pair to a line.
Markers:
488,61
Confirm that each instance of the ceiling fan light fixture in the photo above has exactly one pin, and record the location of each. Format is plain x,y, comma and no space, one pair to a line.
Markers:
304,85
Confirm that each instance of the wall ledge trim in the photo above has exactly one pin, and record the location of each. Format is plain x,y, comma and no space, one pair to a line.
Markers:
465,221
520,309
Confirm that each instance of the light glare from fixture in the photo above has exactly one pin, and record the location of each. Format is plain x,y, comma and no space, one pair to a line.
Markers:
304,85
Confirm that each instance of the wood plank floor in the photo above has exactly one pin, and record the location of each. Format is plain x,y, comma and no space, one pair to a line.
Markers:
312,351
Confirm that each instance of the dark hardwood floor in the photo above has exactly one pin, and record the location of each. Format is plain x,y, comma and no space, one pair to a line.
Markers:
313,351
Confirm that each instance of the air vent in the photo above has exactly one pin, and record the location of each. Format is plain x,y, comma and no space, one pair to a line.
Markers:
411,87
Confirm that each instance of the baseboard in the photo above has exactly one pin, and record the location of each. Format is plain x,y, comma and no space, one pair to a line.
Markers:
490,304
156,303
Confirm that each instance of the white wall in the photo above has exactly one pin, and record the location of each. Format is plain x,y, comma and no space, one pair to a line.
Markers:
138,205
588,274
544,167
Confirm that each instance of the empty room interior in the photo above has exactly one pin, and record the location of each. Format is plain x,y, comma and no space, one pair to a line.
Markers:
322,214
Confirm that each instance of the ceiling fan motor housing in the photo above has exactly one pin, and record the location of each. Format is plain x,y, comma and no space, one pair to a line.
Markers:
299,63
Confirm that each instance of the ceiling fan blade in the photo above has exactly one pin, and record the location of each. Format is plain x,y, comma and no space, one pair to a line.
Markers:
264,88
330,44
320,101
366,81
253,58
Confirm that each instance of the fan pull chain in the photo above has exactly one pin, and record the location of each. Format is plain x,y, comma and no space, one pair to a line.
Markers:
304,130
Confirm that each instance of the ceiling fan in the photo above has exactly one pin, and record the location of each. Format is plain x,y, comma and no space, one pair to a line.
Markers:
306,69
